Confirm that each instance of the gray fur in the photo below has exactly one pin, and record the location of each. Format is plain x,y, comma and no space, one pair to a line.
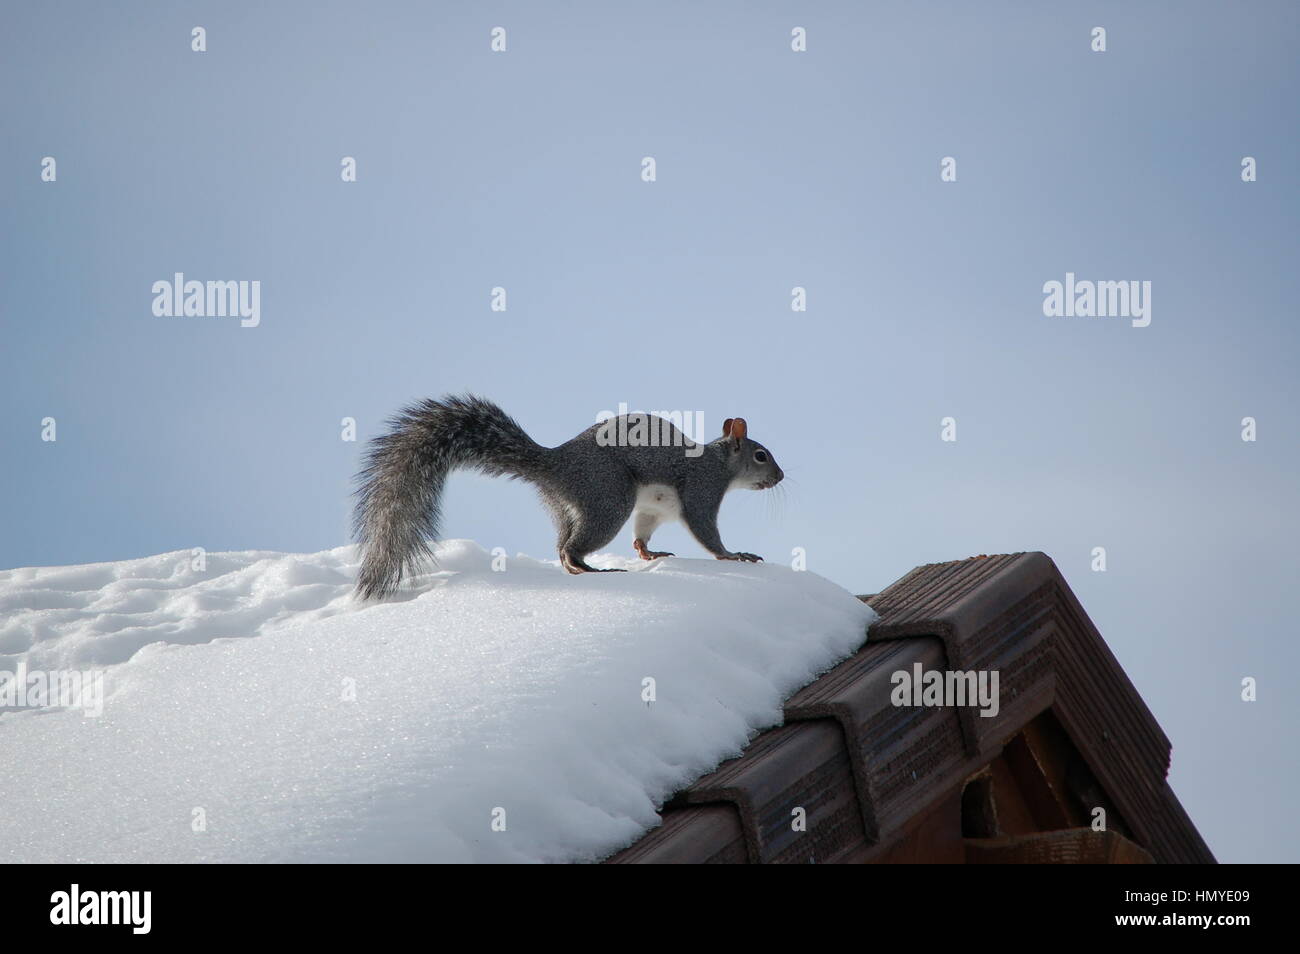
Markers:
590,489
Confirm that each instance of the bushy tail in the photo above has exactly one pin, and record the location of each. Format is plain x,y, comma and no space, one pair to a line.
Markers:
398,505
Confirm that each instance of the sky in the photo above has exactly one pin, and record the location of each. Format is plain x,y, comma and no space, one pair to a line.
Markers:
774,170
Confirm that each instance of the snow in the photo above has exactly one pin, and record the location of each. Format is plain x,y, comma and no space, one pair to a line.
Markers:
253,711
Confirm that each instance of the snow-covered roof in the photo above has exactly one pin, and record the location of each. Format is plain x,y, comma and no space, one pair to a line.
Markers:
500,710
249,709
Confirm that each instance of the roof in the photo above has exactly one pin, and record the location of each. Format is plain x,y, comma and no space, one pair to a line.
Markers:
882,783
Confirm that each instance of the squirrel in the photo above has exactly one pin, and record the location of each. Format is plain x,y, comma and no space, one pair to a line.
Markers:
590,485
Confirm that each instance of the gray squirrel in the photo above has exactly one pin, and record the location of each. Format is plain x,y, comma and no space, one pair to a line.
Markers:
591,485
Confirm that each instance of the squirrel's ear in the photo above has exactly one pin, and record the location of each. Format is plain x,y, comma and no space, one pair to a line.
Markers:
738,429
726,427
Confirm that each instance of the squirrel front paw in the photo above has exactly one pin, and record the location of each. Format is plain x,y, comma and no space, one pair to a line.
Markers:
647,554
744,557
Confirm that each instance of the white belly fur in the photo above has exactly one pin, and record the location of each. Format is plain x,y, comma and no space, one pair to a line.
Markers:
660,502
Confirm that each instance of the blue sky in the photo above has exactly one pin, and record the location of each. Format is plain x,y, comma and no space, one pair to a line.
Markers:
775,169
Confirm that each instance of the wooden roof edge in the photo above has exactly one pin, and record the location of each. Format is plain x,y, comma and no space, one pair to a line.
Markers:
1010,612
979,605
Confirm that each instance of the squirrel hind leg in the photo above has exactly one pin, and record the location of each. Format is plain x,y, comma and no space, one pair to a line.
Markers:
585,530
574,563
573,553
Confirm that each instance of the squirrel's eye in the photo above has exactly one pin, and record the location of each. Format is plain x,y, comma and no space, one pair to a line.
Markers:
760,457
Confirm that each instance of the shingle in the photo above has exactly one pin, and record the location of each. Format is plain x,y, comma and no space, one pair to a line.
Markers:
802,767
704,834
